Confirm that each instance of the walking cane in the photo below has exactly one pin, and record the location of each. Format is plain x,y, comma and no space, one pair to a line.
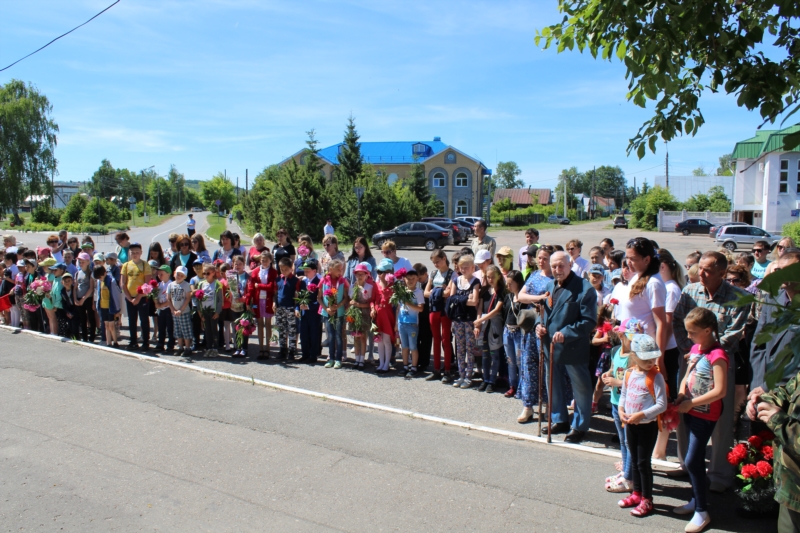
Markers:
550,394
541,373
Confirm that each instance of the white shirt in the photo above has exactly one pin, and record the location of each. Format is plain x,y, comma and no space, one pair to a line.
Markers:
522,260
328,229
402,262
673,297
641,306
190,223
580,265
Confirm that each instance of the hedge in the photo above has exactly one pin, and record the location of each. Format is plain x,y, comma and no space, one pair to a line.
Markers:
74,227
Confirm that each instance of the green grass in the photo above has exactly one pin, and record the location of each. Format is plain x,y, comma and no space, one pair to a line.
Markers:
543,225
152,220
6,222
217,226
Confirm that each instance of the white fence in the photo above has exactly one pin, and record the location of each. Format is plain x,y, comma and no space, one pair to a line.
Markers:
668,219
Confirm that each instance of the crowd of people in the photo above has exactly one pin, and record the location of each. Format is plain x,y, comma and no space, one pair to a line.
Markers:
655,332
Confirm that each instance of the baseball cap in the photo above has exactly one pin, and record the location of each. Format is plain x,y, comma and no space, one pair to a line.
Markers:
482,255
83,256
505,250
182,270
198,261
645,347
62,266
48,262
112,256
166,268
597,269
21,263
87,245
99,257
66,275
386,265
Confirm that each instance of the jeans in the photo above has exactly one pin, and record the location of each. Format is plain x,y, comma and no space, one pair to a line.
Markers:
623,443
490,363
581,389
210,326
335,335
139,311
409,333
512,341
441,327
641,441
700,431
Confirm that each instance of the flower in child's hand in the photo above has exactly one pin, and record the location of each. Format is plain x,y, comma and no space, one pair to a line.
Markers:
153,283
750,472
139,289
390,279
146,289
313,287
303,251
199,294
401,273
614,301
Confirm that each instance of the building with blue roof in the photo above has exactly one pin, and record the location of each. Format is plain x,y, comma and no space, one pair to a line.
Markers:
454,178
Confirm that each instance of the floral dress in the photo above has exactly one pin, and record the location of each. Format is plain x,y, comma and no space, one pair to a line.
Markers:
529,366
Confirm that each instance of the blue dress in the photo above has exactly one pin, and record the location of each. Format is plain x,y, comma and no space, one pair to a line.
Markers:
529,366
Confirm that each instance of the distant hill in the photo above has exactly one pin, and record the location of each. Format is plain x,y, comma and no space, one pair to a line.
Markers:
193,184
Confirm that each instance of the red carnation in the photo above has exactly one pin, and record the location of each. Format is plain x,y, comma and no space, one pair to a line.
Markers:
749,472
139,290
153,283
614,301
766,435
400,274
755,441
733,458
737,454
767,451
764,468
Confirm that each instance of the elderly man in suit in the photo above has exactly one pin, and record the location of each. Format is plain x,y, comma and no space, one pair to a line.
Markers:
569,315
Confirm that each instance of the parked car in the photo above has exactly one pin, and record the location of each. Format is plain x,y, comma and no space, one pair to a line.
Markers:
425,234
693,225
557,219
459,235
471,220
744,236
197,209
715,228
469,229
620,222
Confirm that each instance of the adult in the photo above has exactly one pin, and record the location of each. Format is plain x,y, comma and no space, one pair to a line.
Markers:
505,259
483,241
123,244
10,244
135,273
199,248
607,246
184,256
74,246
284,247
305,251
226,249
579,265
331,245
254,253
328,229
672,276
389,251
532,293
531,239
780,248
55,249
191,225
714,293
360,254
569,316
173,247
760,252
83,296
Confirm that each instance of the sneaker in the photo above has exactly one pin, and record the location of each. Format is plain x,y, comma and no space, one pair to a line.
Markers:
644,508
490,388
685,509
457,383
447,379
631,501
187,352
466,384
436,376
329,364
412,372
337,365
482,387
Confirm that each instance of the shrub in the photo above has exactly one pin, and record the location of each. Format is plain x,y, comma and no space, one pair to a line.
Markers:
74,209
110,212
76,227
44,214
792,230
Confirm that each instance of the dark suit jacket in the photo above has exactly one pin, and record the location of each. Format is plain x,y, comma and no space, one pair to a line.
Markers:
175,262
574,314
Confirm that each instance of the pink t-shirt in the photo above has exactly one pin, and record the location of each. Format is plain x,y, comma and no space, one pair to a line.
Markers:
701,379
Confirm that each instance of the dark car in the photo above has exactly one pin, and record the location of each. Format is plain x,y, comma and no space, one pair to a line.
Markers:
620,222
693,225
469,229
459,234
424,234
716,227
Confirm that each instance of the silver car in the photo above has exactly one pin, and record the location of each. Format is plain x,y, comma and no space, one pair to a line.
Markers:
735,237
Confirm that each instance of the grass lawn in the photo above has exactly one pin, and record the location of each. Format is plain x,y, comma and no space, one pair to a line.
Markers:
216,226
6,222
152,220
544,225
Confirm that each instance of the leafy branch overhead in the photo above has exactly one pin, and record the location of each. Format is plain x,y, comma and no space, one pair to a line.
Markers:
674,51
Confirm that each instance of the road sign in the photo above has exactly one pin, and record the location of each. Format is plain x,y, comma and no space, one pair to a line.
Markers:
218,202
133,206
132,200
359,192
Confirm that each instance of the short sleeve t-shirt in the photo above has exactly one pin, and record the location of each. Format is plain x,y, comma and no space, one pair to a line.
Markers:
408,315
759,270
136,274
178,293
163,288
105,295
279,252
641,306
673,297
700,379
619,364
402,262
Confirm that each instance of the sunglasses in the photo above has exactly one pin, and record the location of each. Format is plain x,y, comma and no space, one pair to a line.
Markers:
781,247
385,252
185,244
570,249
758,250
328,245
206,274
734,280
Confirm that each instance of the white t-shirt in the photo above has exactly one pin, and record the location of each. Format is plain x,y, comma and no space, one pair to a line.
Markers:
402,262
673,297
580,265
641,306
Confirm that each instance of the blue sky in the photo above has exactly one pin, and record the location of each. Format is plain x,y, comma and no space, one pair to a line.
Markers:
209,85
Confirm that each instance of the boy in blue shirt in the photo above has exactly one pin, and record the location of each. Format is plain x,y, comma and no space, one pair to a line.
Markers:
408,323
310,319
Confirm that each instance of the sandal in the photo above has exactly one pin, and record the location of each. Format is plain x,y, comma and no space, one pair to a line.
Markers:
619,466
619,485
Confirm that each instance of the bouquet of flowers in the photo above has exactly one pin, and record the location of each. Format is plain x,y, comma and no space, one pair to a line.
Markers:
753,460
149,290
353,315
330,298
304,297
201,297
244,326
37,292
401,294
671,418
303,251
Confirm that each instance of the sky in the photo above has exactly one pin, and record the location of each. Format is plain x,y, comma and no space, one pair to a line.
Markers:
229,85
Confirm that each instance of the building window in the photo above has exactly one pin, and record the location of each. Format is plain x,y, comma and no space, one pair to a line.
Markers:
783,186
420,149
438,180
450,158
461,208
461,180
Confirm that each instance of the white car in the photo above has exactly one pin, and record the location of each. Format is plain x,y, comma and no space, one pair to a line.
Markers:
744,236
469,220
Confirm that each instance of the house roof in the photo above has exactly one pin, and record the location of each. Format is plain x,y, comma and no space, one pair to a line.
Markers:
764,141
523,196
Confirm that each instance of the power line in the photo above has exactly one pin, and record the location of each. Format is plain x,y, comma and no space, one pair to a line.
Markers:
59,37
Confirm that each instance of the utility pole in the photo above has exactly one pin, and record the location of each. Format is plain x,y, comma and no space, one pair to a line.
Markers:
158,186
246,188
667,163
592,202
237,189
635,190
565,195
144,198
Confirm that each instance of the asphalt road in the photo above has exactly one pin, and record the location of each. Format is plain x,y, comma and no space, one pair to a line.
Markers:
93,441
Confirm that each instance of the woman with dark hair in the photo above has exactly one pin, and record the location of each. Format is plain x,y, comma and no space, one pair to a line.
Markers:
226,249
284,248
199,248
123,244
184,256
360,254
156,253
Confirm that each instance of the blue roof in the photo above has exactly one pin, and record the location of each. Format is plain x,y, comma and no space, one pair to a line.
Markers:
388,153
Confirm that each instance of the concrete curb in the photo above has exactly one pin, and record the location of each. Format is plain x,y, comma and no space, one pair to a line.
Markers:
340,399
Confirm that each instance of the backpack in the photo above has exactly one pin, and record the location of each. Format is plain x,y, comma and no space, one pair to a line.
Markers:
437,295
649,380
456,305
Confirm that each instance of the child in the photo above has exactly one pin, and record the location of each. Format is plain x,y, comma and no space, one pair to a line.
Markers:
700,400
238,280
601,342
109,303
194,282
488,327
465,289
310,320
408,324
166,325
284,306
210,308
261,293
440,324
514,339
7,289
67,311
362,294
642,399
621,482
226,318
425,339
334,300
135,273
178,300
383,315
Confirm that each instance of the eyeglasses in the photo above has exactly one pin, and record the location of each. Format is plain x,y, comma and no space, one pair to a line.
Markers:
758,250
780,247
328,245
733,280
185,244
206,274
570,249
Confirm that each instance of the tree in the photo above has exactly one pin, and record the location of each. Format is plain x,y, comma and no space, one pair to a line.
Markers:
350,160
27,145
572,177
177,183
674,51
218,188
256,215
699,171
506,175
130,184
726,165
503,205
645,207
716,200
418,183
105,182
607,181
74,209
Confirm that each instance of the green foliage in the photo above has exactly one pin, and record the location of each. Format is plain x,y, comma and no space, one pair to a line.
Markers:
506,176
76,227
27,144
726,165
105,182
350,160
792,230
74,209
674,51
644,208
257,217
418,184
45,214
699,171
218,188
503,205
101,211
544,210
716,200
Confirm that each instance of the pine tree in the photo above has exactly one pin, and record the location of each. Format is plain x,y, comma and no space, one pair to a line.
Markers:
350,160
418,183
